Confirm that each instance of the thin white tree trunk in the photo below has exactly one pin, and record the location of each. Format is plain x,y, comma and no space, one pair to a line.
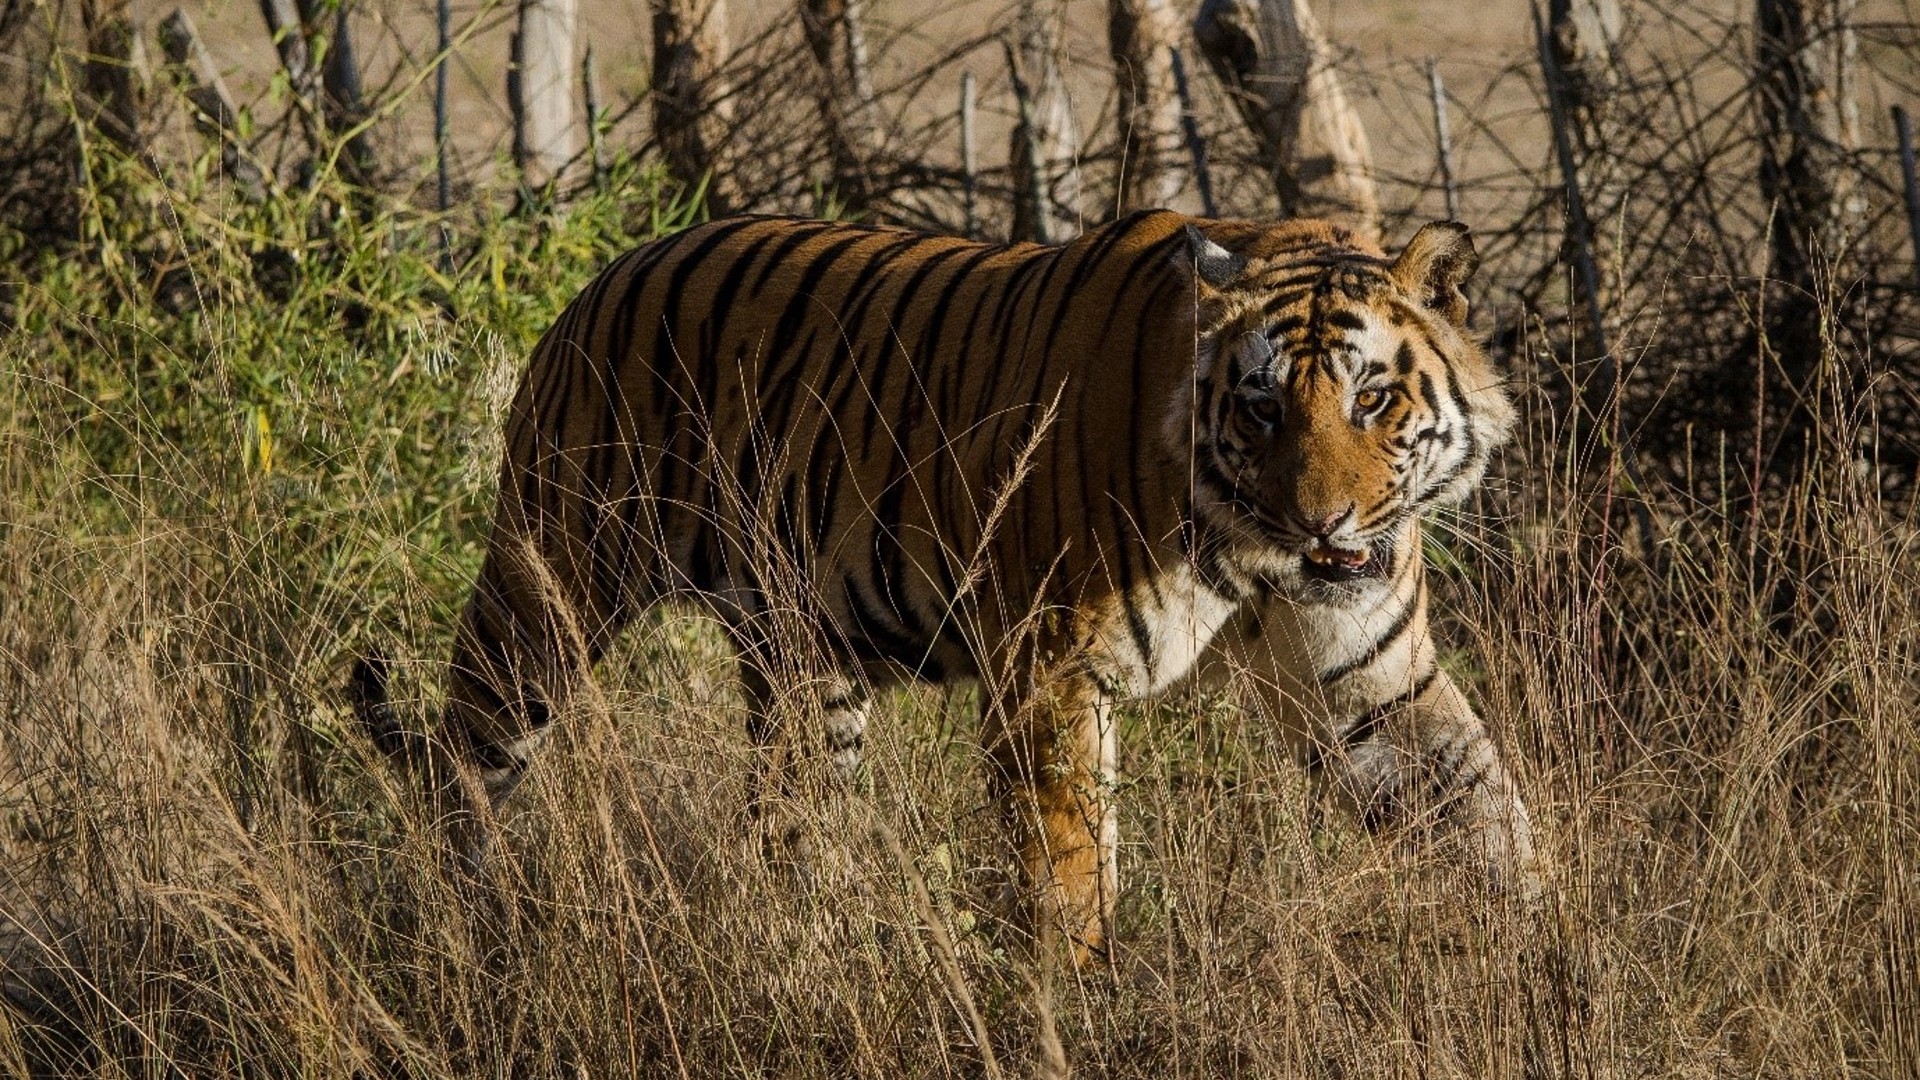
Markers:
1805,53
1586,37
546,133
1804,58
1046,144
836,35
1141,36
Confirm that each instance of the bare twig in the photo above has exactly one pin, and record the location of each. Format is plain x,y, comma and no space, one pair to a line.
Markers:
1442,138
969,157
1903,127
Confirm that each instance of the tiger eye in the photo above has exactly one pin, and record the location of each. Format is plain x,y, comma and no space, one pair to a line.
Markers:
1266,410
1368,401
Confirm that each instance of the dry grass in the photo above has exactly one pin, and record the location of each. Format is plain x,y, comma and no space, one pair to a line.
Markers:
207,873
239,445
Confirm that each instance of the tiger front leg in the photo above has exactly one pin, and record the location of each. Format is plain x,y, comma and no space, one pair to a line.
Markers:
1052,753
1429,750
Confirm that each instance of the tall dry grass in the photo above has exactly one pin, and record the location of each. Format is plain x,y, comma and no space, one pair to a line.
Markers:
205,513
241,444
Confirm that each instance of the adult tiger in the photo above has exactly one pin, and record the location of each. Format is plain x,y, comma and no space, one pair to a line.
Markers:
1074,473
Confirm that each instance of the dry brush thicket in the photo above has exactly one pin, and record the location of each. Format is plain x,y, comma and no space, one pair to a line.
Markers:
246,433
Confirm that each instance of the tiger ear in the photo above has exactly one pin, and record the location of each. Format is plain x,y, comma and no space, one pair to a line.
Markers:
1437,261
1215,266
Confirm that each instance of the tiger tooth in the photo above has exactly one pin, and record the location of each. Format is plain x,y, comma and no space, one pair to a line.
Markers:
1331,556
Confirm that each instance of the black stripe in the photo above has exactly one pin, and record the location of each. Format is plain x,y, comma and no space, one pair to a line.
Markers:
786,525
823,499
1460,401
1006,311
1365,521
890,334
1346,320
889,557
703,568
799,301
720,306
1099,248
931,340
869,284
621,325
796,234
604,442
1289,294
838,360
778,401
1147,410
666,359
925,350
671,300
617,430
1369,722
1142,636
1030,404
876,640
1286,324
1380,645
1429,394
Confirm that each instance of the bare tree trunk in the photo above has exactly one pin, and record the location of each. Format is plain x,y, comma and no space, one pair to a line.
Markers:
1586,40
1142,37
546,137
1804,57
345,111
1578,55
692,109
1278,66
289,35
847,107
214,112
1046,145
116,75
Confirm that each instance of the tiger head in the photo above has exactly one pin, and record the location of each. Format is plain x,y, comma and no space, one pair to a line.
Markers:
1339,393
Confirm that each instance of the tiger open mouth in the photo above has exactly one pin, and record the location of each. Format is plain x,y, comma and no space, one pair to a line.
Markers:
1325,562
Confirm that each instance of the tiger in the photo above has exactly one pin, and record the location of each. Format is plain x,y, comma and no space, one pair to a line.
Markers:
1075,475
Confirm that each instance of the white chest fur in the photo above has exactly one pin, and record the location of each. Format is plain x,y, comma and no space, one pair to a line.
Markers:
1149,639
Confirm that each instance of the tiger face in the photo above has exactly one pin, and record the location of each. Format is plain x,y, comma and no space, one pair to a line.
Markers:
1340,396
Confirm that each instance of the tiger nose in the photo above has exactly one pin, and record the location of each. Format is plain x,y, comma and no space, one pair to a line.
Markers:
1324,526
